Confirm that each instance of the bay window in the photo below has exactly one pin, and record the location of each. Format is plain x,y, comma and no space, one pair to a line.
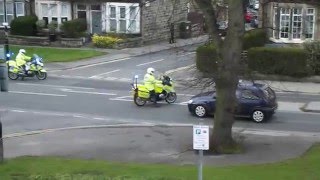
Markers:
53,11
8,12
123,17
294,24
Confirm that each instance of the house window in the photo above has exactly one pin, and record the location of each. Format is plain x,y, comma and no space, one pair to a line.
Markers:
309,24
113,19
296,23
51,11
133,22
10,12
19,9
123,17
2,13
82,11
7,12
284,23
64,13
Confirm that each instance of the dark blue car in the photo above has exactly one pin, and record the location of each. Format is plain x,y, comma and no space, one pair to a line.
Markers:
254,100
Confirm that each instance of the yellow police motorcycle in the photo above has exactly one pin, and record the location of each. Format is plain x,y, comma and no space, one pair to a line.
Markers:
36,69
164,90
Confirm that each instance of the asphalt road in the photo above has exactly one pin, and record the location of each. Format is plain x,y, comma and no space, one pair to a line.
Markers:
66,100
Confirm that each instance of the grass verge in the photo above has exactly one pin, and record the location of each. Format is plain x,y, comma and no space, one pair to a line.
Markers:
57,54
304,167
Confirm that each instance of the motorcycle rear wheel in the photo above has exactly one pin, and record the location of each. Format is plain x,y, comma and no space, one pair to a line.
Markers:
13,76
171,98
41,75
139,101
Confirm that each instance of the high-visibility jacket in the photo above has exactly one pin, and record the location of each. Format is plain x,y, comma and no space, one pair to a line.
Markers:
22,59
149,81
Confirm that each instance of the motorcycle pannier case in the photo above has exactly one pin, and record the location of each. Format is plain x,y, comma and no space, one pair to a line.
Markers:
143,91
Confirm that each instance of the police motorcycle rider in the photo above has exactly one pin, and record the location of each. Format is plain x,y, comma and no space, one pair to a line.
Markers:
149,82
22,59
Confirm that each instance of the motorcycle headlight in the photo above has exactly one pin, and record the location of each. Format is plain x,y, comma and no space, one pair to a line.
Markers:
190,101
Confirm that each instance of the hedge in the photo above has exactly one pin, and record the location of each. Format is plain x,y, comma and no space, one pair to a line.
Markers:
254,38
24,25
105,41
313,49
74,28
206,58
279,61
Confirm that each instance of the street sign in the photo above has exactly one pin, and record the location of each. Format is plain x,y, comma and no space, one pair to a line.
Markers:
201,137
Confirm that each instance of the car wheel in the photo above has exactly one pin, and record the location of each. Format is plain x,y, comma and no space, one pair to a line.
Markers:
258,116
200,111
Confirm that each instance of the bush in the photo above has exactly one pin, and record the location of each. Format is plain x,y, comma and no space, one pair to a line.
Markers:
254,38
279,61
41,24
105,41
52,26
207,58
313,50
74,28
24,25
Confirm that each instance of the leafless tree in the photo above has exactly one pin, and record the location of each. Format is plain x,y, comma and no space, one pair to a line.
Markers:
227,76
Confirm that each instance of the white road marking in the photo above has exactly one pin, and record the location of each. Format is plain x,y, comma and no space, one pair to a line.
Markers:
40,94
20,111
99,75
97,64
179,69
57,86
150,62
87,92
289,106
187,54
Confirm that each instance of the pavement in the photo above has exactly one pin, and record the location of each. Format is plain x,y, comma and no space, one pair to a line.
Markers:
154,144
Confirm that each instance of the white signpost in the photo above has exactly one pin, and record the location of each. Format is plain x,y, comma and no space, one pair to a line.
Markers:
200,142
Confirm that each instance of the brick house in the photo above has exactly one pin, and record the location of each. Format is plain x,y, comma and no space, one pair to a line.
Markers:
291,21
148,19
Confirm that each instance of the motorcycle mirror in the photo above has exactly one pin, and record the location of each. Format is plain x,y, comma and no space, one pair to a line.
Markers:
136,76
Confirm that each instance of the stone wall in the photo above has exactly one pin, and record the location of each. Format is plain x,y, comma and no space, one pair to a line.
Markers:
29,40
157,16
71,42
130,43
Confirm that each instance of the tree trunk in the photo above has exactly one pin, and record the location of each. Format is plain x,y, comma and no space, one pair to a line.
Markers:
229,51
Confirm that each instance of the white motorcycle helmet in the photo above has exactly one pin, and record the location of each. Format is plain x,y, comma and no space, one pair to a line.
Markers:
150,71
22,51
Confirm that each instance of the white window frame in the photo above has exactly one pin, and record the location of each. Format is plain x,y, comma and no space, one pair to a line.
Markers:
296,31
7,14
3,14
23,10
287,13
127,18
59,15
313,15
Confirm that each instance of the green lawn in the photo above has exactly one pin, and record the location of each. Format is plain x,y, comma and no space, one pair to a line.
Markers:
57,55
305,167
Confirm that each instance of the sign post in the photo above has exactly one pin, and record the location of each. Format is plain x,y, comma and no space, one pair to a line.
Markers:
200,142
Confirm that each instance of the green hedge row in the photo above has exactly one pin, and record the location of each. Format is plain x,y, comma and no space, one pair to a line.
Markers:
74,28
279,61
24,25
206,58
254,38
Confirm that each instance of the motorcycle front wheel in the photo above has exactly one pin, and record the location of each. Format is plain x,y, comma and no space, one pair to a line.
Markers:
171,98
139,101
13,76
41,75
